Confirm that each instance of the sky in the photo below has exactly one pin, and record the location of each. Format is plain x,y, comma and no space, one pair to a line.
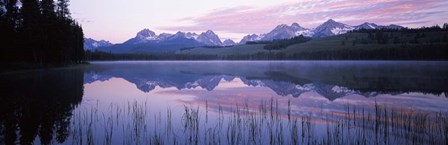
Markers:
120,20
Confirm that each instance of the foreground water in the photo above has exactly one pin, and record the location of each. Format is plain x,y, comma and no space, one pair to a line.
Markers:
227,102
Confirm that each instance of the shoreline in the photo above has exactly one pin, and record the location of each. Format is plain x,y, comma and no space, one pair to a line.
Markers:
13,68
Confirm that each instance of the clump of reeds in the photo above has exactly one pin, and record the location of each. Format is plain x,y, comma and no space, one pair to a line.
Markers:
267,124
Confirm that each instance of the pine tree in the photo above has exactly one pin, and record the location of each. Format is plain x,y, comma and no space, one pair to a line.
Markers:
51,32
30,12
30,30
9,21
47,8
62,9
12,13
9,13
36,33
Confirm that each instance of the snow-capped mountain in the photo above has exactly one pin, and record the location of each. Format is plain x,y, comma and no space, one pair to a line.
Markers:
331,28
228,42
92,44
147,41
367,25
328,28
209,38
143,36
253,37
180,34
284,31
148,36
184,35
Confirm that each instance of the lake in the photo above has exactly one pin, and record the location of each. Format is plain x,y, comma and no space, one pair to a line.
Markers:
227,102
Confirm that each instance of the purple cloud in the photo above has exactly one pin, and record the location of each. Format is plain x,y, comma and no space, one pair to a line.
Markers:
410,13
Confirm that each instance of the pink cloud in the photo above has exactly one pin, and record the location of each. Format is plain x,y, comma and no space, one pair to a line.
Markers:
312,13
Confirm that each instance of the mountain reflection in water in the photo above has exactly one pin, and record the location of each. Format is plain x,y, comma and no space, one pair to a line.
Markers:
38,106
330,79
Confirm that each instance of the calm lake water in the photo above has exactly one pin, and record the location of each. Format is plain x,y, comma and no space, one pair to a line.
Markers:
227,102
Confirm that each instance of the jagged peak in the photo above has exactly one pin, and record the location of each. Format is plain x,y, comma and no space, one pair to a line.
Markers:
209,32
281,26
145,33
295,25
146,30
331,21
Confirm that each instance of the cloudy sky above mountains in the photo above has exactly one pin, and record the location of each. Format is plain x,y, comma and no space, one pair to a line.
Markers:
119,20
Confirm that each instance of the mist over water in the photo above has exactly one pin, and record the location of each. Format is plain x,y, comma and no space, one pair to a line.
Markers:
169,102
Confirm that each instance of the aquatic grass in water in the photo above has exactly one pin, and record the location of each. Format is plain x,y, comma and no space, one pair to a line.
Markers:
268,124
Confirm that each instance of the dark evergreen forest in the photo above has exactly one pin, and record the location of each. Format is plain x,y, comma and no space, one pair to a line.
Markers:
39,33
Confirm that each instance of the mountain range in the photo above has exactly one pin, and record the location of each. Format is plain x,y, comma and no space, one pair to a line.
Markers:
328,28
147,41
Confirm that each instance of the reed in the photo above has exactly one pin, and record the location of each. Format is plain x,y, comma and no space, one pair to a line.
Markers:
266,124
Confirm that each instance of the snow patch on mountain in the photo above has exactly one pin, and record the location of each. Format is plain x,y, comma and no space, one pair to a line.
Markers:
91,44
187,35
146,34
284,31
331,28
252,37
367,25
209,38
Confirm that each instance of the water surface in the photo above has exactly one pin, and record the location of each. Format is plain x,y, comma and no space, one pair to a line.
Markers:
148,102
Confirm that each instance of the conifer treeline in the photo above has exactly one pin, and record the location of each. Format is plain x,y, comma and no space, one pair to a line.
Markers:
39,32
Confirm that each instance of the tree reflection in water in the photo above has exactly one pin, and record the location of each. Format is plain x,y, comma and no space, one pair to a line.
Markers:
39,104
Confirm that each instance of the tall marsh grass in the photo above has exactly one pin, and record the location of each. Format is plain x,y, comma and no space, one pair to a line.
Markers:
269,123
